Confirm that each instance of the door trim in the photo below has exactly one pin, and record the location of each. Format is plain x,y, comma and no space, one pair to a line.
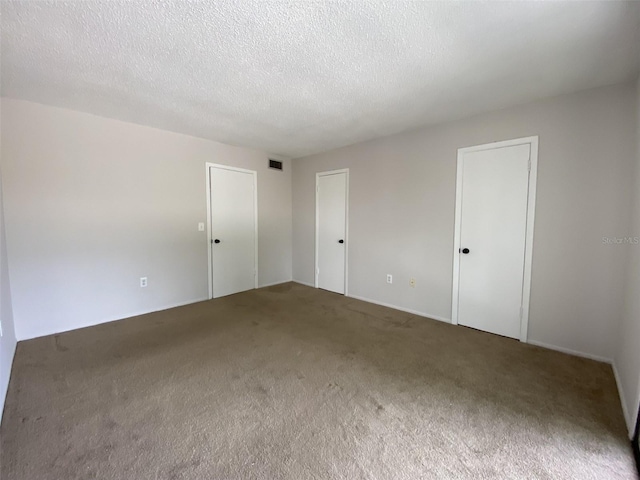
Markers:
346,227
531,209
208,167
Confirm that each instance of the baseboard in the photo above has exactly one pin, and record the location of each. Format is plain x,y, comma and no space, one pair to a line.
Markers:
402,309
625,409
575,353
166,307
275,283
4,388
109,320
383,304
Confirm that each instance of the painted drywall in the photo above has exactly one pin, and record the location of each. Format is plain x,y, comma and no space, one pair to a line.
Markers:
8,338
627,356
93,204
402,200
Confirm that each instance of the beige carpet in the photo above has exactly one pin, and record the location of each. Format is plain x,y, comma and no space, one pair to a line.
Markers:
289,382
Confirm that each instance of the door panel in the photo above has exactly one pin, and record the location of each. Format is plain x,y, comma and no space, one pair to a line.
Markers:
233,225
332,211
493,227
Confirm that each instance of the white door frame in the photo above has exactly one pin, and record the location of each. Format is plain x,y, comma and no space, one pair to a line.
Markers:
531,209
346,227
208,166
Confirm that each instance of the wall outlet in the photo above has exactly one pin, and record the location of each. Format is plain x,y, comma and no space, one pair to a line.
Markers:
412,282
201,227
389,278
143,281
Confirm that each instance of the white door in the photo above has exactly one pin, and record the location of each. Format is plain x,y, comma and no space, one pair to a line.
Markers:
233,230
492,238
331,228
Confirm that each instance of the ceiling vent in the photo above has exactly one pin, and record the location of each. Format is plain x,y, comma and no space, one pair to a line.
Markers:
275,164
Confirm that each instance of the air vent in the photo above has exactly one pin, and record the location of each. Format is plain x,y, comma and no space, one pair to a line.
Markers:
275,164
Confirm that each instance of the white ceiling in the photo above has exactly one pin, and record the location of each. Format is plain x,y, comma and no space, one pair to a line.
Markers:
295,78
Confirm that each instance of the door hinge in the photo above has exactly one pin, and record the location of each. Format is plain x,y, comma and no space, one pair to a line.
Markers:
317,188
521,312
529,164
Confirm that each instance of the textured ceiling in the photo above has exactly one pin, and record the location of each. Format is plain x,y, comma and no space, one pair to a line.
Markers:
295,78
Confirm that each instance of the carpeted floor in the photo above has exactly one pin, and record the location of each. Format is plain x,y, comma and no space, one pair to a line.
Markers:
290,382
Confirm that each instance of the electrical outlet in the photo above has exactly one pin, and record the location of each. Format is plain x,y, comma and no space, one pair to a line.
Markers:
389,278
143,281
412,282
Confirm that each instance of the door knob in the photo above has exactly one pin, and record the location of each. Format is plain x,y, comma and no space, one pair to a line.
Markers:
340,241
464,250
216,241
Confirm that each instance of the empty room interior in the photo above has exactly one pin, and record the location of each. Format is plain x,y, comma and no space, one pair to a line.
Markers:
319,240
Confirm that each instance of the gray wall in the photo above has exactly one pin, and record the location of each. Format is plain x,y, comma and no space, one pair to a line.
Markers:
627,358
402,200
92,204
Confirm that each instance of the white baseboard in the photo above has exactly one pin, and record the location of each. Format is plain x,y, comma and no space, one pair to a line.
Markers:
123,317
576,353
402,309
5,387
274,283
383,304
625,410
166,307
